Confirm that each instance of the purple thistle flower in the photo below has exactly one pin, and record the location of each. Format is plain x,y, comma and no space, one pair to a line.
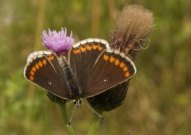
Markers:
58,42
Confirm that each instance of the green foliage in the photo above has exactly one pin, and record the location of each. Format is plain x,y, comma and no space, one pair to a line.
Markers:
159,97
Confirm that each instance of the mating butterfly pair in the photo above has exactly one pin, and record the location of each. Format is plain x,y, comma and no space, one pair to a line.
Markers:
90,68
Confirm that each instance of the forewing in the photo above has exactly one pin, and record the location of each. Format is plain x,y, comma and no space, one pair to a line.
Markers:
82,58
43,69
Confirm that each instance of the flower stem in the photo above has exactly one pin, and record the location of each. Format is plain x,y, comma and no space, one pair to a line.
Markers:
94,125
66,119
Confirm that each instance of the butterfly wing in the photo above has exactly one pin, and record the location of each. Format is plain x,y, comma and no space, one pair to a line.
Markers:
97,67
43,69
82,58
111,69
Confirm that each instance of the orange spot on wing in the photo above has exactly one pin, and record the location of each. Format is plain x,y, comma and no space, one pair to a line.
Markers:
127,74
122,65
125,69
44,61
105,57
95,47
76,51
32,73
112,59
36,66
83,49
31,78
40,64
100,48
89,48
117,62
33,69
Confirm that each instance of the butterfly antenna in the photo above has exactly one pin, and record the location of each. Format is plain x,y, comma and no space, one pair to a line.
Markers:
99,115
70,121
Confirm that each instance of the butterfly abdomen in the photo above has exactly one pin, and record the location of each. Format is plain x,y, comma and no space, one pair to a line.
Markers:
72,85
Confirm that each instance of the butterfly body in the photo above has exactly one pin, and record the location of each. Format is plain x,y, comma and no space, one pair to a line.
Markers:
90,69
71,82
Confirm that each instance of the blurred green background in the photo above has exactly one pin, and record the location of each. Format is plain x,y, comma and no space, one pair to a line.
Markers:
159,97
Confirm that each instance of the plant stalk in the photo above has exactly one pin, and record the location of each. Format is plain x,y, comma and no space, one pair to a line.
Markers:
69,128
94,125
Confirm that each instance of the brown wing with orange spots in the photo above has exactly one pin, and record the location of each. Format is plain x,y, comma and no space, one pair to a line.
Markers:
82,58
111,69
43,69
97,67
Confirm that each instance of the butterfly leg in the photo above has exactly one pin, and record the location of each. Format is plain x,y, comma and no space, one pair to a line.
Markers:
99,115
77,103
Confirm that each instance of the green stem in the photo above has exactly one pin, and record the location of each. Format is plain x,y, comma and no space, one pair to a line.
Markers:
94,125
66,119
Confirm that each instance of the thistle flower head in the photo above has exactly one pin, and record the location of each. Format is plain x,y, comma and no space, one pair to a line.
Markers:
58,42
135,22
134,25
